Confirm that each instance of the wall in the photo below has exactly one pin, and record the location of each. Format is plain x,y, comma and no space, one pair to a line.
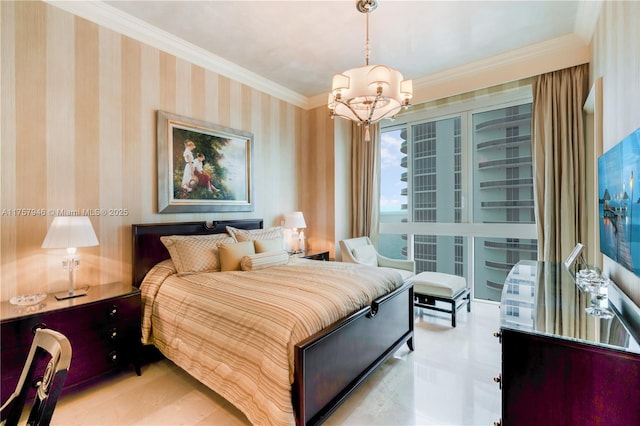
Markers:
78,132
616,58
316,175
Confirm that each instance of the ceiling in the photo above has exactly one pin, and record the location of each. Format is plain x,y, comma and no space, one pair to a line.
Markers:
299,45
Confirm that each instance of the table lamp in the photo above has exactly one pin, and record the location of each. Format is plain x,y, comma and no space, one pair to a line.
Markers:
70,232
295,221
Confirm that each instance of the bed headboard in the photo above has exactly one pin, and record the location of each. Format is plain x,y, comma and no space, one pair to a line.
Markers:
149,250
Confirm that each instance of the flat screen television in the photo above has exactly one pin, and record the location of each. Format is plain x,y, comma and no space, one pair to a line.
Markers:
619,202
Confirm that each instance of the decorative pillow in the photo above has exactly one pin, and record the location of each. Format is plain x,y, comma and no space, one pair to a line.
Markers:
264,260
366,254
263,246
255,234
232,254
195,253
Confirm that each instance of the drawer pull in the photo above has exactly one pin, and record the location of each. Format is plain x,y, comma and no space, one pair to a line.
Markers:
498,379
114,334
37,327
113,312
497,334
113,356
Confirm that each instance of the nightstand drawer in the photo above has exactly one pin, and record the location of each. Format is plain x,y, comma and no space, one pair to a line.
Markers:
104,334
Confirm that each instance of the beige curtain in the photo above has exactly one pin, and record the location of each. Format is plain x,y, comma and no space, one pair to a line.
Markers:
559,160
365,181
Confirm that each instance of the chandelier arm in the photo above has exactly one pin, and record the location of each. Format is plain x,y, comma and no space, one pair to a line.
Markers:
355,113
335,114
391,113
373,106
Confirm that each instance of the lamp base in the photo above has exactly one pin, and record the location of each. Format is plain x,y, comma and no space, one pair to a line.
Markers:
78,292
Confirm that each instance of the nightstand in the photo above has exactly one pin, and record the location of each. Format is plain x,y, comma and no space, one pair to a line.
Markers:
103,328
314,254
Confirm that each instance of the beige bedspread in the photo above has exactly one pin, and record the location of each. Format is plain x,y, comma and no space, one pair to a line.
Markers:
236,331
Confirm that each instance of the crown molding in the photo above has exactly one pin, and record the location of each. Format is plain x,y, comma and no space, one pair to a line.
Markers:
109,17
528,54
517,64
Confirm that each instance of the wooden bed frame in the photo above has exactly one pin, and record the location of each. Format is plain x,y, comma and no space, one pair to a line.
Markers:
329,365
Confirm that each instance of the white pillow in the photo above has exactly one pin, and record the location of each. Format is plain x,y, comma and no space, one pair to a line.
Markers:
195,253
264,260
366,254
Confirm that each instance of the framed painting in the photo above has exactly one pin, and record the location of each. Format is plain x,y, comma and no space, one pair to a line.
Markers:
618,205
203,167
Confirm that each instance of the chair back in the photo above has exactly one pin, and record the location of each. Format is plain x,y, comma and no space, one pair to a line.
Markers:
350,246
54,347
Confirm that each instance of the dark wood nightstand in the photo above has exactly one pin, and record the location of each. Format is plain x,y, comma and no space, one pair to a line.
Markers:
314,254
103,328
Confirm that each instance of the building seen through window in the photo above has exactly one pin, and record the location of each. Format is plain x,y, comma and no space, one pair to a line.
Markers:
450,189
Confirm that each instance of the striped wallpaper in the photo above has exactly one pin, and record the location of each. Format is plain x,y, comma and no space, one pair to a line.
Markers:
78,132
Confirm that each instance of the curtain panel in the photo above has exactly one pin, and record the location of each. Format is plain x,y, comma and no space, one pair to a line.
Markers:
559,163
365,182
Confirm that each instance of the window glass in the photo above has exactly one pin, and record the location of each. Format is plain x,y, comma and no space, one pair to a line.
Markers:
393,191
463,167
503,189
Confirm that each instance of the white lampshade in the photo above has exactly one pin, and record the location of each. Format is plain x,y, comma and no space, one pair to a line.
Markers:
340,82
294,220
70,232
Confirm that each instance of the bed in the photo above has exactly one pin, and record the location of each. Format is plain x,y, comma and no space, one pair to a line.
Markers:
325,366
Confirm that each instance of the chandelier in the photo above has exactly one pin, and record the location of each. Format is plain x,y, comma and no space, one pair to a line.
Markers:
369,93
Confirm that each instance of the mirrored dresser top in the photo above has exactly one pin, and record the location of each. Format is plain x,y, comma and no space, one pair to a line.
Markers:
543,298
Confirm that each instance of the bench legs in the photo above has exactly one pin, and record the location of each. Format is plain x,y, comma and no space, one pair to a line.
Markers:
429,302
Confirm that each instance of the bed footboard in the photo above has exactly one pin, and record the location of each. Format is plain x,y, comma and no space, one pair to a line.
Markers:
331,364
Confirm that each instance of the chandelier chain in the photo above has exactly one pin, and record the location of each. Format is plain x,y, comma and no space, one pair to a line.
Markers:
367,46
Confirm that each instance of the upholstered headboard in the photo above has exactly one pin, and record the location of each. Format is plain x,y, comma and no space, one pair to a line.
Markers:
149,250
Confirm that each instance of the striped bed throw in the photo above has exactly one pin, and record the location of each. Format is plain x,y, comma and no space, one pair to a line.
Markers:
236,331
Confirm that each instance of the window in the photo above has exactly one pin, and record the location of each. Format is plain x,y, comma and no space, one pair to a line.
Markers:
454,182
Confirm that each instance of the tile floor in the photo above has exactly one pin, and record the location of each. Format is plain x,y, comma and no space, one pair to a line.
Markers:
447,380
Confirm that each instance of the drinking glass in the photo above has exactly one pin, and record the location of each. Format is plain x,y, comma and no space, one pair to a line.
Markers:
599,290
586,276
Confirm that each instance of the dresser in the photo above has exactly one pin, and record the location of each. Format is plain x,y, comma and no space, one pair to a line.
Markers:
561,366
102,327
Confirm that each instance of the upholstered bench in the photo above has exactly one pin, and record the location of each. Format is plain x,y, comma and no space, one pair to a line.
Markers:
432,287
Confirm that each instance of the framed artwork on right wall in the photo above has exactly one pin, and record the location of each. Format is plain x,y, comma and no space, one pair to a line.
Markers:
619,202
